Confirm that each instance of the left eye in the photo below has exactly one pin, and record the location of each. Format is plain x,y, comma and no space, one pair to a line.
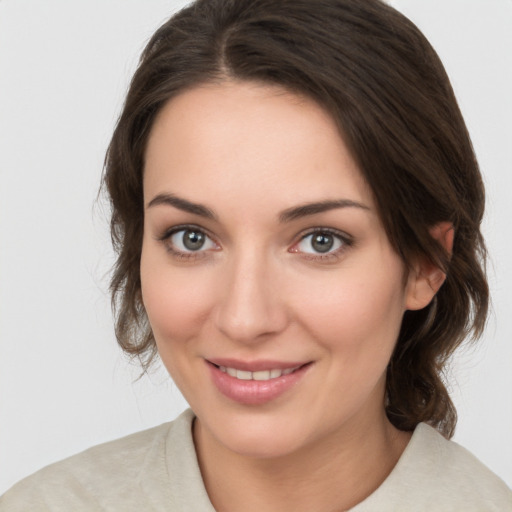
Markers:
320,243
191,240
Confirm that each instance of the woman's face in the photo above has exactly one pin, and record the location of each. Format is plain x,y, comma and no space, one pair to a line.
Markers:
274,295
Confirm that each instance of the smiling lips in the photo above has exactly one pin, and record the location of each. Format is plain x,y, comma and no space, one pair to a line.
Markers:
259,375
255,383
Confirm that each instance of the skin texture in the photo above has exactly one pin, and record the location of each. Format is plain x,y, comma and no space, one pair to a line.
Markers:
258,290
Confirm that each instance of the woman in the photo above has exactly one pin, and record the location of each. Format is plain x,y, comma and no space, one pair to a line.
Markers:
296,209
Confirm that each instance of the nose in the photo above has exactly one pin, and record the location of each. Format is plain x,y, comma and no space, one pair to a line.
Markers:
252,305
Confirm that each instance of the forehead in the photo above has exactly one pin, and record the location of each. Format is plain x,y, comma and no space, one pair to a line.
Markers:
249,141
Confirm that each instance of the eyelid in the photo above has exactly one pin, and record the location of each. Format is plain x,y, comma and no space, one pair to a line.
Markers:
166,233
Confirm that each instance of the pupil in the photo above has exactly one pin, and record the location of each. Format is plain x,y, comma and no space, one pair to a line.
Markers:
193,240
323,242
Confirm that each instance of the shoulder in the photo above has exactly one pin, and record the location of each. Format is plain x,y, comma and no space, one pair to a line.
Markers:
103,477
437,474
456,469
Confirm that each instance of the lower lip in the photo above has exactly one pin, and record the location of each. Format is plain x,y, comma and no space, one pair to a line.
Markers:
255,392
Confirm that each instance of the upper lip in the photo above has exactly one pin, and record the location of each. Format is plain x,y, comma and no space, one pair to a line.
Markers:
257,365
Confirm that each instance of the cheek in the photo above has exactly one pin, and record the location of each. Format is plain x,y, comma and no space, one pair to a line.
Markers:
174,302
354,310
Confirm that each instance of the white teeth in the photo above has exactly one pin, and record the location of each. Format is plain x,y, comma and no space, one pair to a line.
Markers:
243,375
264,375
259,375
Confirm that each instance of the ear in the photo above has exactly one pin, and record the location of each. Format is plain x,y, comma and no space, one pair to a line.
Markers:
425,278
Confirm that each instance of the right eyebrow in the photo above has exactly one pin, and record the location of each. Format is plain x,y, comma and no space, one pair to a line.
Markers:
182,204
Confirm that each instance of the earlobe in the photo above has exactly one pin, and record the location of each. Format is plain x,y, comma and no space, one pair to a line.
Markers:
426,278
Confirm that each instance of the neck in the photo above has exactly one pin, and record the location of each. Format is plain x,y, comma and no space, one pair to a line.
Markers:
332,475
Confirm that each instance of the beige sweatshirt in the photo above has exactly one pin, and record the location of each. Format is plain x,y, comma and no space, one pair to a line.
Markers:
157,471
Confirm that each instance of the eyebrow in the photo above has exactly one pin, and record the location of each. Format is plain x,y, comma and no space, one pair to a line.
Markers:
297,212
182,204
287,215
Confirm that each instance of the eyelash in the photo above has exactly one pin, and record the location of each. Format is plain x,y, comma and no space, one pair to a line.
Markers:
345,239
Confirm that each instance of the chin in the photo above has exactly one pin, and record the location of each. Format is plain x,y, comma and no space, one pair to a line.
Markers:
263,444
255,433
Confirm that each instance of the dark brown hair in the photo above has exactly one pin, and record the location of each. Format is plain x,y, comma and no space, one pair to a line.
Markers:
383,83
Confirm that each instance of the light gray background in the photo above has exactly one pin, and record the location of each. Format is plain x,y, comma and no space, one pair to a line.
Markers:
64,67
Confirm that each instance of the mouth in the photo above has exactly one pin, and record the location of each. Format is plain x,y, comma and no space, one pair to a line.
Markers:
261,375
255,383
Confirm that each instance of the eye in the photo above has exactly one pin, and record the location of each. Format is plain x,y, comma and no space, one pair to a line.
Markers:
322,243
186,242
191,240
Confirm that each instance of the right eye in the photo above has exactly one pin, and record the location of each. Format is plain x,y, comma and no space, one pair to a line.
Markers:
186,242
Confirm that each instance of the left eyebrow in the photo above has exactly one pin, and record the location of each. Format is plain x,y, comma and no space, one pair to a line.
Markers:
304,210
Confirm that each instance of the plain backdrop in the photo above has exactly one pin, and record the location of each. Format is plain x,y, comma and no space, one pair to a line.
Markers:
64,68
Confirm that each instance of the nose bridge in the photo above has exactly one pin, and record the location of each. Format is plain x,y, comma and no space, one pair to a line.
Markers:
250,305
